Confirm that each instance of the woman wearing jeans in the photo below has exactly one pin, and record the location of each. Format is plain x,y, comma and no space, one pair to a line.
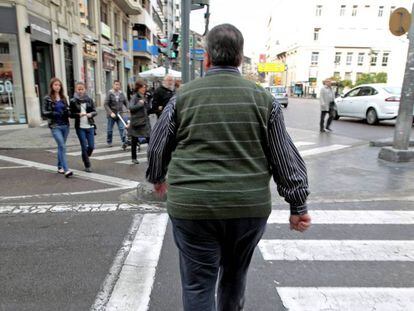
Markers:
56,109
82,109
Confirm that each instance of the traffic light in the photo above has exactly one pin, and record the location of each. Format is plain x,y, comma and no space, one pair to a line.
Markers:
174,45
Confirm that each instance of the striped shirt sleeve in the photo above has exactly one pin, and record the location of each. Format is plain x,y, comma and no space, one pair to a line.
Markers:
288,167
162,144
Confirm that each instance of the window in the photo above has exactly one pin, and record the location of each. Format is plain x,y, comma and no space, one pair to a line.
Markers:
338,58
348,75
315,58
337,75
354,10
380,11
353,93
104,13
361,57
385,59
349,58
374,57
342,11
359,75
392,9
85,12
318,10
125,30
367,91
316,34
116,24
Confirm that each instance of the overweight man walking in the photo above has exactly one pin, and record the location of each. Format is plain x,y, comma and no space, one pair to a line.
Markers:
222,138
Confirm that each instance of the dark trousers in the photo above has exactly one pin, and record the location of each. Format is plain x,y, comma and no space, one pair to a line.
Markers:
331,113
136,144
211,249
87,141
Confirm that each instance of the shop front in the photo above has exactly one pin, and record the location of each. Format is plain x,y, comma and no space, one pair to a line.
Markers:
90,54
109,65
12,102
41,38
128,64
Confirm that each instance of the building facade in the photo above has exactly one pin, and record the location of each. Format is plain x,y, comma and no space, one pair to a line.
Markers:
335,38
74,40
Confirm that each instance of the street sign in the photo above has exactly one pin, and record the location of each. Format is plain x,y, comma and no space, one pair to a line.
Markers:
271,67
197,51
400,21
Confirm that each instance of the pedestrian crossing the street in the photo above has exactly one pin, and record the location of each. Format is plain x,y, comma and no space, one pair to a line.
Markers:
117,155
343,259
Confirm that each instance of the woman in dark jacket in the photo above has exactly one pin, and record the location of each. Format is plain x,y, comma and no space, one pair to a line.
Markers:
139,125
56,109
82,109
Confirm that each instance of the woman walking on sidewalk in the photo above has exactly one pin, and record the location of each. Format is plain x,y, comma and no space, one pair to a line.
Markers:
56,109
82,109
139,125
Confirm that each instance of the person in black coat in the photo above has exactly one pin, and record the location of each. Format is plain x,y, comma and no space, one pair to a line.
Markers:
82,109
162,95
139,125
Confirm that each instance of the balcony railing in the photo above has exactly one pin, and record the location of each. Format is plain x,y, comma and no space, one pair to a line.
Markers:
158,20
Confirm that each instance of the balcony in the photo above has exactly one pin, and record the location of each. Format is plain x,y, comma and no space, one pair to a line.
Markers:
131,7
157,19
142,48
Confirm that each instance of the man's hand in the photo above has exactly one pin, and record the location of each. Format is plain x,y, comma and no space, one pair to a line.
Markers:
160,189
113,115
300,222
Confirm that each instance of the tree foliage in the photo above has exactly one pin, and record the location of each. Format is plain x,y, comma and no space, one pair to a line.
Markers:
367,78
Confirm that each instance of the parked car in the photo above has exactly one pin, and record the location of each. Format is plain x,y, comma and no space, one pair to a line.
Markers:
371,102
279,93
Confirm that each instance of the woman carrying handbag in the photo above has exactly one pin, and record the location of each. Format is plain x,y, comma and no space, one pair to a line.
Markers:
139,125
56,109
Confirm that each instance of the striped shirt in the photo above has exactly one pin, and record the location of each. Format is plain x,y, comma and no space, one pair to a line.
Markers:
288,167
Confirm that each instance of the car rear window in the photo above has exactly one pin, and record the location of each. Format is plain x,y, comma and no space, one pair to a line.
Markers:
393,90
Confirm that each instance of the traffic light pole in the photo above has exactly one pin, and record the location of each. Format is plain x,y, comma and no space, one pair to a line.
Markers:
400,150
185,44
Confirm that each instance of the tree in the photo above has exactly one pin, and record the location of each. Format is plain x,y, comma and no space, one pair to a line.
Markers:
367,78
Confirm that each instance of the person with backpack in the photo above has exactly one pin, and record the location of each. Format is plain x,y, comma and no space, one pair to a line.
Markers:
82,109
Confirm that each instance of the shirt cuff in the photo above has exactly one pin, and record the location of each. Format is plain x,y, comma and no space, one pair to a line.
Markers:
298,210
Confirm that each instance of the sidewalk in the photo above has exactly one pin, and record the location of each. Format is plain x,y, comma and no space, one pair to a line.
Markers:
41,137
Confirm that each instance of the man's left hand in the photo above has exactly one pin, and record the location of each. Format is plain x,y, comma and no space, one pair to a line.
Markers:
300,222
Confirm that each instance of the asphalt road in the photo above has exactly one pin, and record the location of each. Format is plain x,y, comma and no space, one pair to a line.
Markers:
59,259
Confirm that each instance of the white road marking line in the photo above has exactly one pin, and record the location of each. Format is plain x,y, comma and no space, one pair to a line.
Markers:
11,167
337,250
115,181
303,143
95,151
133,288
140,160
323,149
366,217
108,285
43,195
116,155
347,298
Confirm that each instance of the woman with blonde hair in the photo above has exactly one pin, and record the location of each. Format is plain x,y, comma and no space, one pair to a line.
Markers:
55,108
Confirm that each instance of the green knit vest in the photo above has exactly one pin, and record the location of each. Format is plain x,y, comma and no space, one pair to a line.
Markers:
219,169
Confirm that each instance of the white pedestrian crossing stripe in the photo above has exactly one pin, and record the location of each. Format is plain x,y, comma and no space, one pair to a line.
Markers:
347,298
303,143
129,161
350,217
337,250
114,155
324,149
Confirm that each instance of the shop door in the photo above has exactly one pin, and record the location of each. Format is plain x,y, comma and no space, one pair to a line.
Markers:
43,68
70,77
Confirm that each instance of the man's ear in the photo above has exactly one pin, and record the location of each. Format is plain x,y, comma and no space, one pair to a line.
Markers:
207,61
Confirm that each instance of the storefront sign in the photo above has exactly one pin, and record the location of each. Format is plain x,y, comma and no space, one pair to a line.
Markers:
271,67
90,50
41,30
108,60
8,21
105,30
127,63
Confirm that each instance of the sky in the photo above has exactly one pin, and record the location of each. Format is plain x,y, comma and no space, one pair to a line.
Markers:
250,17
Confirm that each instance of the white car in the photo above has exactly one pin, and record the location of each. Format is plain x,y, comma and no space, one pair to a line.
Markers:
372,102
279,93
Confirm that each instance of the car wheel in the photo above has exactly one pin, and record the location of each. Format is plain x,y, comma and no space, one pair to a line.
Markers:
336,115
372,117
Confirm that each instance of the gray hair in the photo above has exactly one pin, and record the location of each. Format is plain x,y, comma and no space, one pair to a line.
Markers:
225,45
